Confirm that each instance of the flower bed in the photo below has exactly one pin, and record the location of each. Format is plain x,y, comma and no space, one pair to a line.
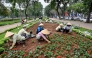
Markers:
62,45
67,46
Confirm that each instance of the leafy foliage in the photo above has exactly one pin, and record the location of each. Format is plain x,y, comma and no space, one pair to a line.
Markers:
47,10
3,10
77,7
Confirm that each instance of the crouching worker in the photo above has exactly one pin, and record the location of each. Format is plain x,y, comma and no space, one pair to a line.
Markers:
15,38
67,28
42,35
24,33
39,28
59,28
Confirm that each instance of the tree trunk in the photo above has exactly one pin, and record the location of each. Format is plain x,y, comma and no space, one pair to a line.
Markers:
88,18
57,10
26,13
58,13
20,14
26,9
65,4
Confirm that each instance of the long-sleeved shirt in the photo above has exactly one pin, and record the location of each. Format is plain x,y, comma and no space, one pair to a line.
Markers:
68,28
41,35
39,29
23,31
58,28
17,37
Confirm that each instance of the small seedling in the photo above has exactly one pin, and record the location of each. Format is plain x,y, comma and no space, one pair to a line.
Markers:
33,41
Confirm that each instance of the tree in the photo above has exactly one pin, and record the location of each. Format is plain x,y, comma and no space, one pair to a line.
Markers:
35,9
3,10
13,2
55,4
38,9
88,5
77,7
47,10
26,3
20,4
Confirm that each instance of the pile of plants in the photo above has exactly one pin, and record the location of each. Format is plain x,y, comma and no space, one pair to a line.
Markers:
82,31
64,45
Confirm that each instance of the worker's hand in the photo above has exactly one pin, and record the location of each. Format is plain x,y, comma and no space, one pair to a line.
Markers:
11,47
49,42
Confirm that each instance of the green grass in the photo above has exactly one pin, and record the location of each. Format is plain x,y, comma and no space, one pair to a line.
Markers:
84,29
2,23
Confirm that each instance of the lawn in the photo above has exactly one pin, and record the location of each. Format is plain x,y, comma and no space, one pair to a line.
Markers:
6,22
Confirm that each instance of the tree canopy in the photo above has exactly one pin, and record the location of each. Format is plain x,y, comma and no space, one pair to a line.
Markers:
3,10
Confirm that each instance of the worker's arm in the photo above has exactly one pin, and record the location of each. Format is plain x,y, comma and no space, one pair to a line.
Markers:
14,42
26,32
45,38
12,45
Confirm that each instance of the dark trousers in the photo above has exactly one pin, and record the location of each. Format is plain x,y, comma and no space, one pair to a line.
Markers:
24,34
59,30
65,30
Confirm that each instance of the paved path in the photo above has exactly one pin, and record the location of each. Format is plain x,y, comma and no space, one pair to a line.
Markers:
77,23
6,27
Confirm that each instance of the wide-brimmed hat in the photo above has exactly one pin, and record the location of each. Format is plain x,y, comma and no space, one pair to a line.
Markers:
69,23
8,34
40,24
61,24
45,31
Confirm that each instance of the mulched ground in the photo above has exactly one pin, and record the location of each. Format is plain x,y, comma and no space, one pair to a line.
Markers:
32,43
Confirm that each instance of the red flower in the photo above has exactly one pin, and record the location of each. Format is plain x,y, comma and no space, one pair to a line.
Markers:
14,48
25,54
58,57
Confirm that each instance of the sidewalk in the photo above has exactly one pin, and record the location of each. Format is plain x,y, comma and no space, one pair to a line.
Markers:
6,27
77,23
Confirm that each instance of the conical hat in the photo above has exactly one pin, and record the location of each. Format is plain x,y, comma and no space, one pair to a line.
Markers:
45,31
8,34
69,23
41,24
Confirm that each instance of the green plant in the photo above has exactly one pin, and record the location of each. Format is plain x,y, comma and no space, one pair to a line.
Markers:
1,50
68,47
33,41
30,54
48,54
1,43
52,47
21,52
